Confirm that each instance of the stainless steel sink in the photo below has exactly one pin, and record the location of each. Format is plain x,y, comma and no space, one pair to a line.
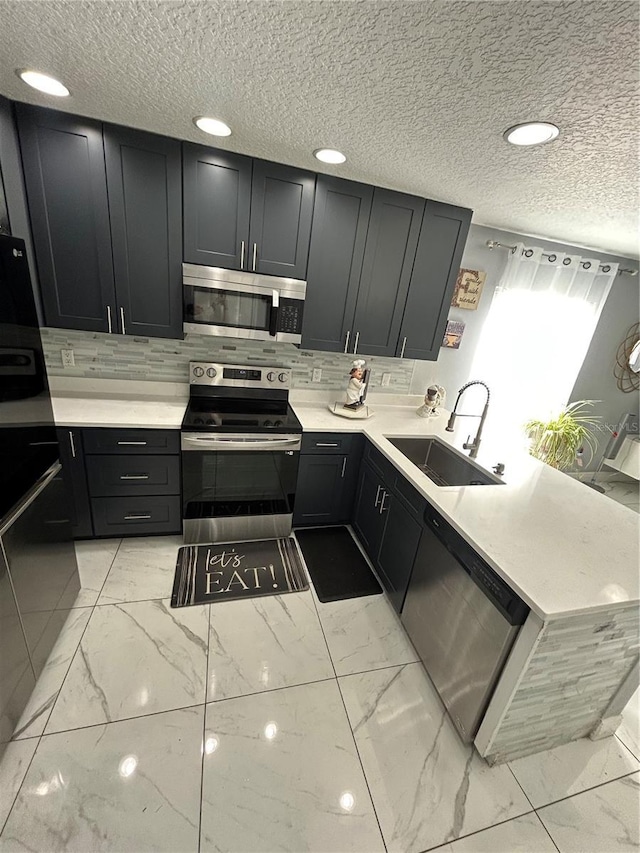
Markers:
442,464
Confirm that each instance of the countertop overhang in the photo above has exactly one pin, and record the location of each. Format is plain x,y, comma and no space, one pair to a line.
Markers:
564,548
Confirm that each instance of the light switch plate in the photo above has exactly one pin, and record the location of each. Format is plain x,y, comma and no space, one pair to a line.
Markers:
317,375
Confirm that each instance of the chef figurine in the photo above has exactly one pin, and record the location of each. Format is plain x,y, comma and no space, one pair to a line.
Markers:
356,386
433,398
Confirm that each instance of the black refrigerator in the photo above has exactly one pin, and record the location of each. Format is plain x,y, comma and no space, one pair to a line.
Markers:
38,570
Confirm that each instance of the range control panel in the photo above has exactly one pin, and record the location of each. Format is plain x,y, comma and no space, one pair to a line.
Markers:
238,375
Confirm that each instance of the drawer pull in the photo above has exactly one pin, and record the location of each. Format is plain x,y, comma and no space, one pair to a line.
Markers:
325,444
136,517
344,465
134,476
137,443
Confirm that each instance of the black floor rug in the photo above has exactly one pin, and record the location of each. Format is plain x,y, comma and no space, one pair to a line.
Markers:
337,568
208,573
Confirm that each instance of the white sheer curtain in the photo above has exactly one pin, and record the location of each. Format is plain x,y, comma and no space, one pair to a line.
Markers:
539,327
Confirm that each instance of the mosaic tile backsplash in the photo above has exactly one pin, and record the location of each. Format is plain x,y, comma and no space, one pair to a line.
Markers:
105,356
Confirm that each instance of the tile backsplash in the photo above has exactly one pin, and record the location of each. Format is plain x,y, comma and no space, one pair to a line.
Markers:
105,356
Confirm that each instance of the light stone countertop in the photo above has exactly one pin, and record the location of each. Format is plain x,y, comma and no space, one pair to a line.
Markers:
563,547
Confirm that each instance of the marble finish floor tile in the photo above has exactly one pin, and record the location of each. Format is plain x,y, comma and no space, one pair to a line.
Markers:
143,569
13,767
45,693
629,731
126,786
263,644
602,820
94,561
428,788
364,634
571,768
281,772
524,834
134,659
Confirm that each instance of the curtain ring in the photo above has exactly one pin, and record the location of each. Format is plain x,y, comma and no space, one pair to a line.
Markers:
586,265
566,262
552,258
528,252
606,268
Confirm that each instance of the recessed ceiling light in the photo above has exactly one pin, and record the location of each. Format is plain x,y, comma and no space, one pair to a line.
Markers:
531,133
43,83
213,126
329,155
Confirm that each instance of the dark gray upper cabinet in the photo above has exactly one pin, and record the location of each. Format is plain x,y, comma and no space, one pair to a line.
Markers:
281,213
144,185
63,159
217,200
392,238
340,221
442,240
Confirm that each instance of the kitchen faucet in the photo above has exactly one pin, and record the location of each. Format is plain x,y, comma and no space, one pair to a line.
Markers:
471,446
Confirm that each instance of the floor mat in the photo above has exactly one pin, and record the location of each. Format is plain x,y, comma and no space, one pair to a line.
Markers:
336,565
209,573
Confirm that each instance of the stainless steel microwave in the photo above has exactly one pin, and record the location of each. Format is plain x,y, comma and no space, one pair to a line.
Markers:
235,304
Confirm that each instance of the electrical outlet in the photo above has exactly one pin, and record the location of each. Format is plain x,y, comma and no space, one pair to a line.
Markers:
386,379
68,359
317,375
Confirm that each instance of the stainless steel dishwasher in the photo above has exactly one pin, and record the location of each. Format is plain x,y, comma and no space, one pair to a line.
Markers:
462,619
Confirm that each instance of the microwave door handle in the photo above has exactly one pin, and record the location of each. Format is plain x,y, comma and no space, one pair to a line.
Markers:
275,313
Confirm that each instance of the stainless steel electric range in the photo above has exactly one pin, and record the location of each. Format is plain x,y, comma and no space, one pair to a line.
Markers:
240,443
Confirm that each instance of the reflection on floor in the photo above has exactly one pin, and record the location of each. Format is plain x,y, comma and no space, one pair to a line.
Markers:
275,724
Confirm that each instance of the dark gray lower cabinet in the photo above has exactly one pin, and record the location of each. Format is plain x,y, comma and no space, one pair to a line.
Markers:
144,180
388,521
327,478
75,478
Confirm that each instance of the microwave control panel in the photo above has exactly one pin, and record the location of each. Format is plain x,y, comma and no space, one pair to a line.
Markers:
290,316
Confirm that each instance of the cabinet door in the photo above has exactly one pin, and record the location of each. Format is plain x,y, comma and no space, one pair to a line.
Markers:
340,221
144,181
63,159
442,240
368,521
217,199
281,212
319,489
75,479
397,550
390,250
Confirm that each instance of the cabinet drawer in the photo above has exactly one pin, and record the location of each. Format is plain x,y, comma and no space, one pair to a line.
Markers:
380,463
135,516
131,441
111,476
327,442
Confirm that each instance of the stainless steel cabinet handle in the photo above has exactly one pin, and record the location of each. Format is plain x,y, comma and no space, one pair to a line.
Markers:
344,465
355,343
377,496
346,342
73,444
325,444
255,255
242,254
404,343
383,508
109,324
134,476
137,443
135,517
124,331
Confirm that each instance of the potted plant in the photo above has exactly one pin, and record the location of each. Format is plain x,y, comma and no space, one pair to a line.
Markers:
558,441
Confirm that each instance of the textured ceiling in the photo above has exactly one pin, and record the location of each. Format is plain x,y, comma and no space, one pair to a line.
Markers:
417,94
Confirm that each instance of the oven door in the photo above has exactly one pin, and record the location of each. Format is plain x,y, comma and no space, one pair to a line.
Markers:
238,487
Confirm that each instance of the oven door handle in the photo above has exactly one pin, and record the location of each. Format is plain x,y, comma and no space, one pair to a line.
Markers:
206,442
275,313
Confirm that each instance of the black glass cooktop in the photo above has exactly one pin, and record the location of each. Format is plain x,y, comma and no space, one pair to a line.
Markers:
235,415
